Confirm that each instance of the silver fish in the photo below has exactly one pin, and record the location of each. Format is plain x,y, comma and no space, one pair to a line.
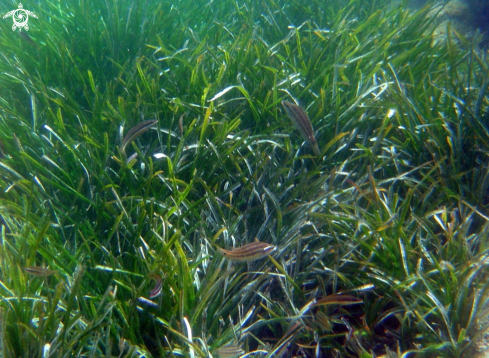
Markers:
230,351
301,121
247,253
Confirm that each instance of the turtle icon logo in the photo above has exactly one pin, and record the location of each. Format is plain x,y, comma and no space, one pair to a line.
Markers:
20,17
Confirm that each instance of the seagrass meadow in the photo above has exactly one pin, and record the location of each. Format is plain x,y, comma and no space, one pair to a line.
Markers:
110,238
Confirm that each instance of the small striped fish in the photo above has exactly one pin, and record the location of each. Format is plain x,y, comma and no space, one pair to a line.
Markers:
156,291
230,351
39,271
323,322
336,299
247,253
301,121
135,131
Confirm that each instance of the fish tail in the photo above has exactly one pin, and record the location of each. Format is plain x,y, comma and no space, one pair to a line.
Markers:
315,149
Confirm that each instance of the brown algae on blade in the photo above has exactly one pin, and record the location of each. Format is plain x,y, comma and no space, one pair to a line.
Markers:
301,121
247,253
136,131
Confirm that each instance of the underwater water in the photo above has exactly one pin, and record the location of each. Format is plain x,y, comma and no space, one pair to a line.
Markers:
242,178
